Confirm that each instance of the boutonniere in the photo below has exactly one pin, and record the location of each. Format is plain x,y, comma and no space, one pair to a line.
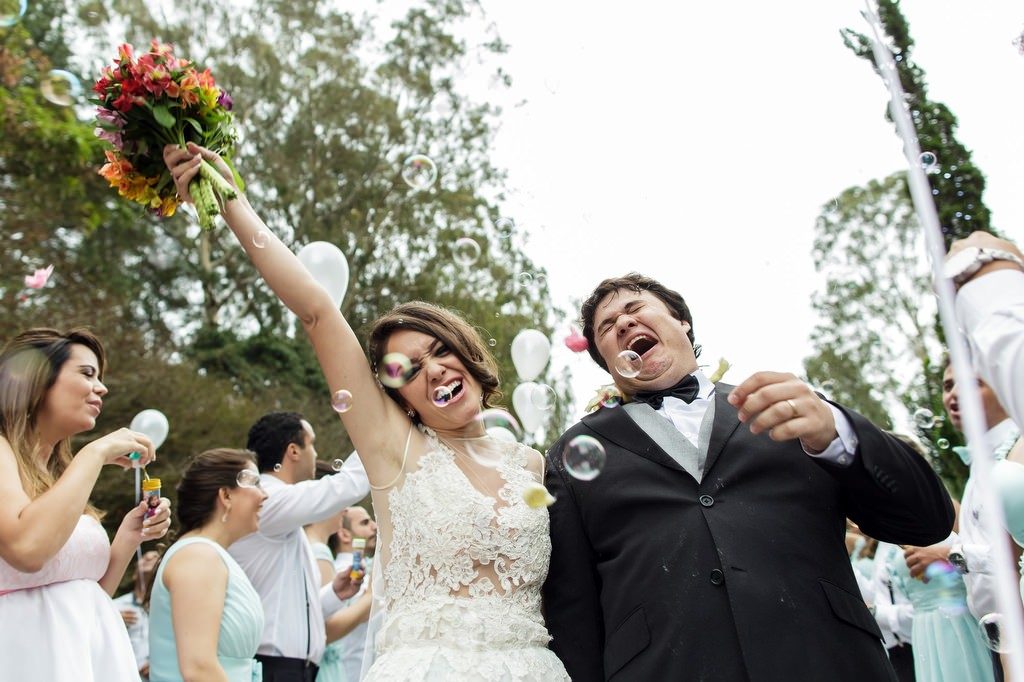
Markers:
723,367
606,396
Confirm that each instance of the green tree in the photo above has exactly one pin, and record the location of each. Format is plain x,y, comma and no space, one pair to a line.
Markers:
329,112
957,184
875,342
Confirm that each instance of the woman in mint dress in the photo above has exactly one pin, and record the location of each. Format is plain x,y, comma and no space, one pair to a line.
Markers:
947,642
205,617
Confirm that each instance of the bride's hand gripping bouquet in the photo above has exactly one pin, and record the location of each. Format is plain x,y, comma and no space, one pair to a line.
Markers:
147,102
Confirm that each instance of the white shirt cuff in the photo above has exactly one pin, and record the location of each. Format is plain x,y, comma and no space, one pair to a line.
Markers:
329,601
843,449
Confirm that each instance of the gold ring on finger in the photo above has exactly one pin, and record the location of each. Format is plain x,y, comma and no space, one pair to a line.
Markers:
792,406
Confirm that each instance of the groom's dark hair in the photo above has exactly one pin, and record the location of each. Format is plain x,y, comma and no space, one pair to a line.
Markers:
634,281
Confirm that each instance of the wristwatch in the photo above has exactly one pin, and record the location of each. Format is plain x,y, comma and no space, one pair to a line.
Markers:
957,558
964,264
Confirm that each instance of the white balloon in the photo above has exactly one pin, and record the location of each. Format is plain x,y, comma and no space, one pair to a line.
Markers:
500,433
152,424
329,268
530,416
530,353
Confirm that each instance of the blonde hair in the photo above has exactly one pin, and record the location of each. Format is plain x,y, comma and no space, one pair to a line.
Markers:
29,366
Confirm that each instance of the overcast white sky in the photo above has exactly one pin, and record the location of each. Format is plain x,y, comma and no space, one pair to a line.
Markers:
697,142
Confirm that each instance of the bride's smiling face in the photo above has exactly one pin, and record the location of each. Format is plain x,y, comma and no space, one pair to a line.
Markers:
441,390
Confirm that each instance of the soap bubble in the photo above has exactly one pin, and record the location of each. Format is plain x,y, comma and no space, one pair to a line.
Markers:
928,160
466,251
504,227
11,12
395,370
992,632
543,397
419,172
924,418
341,401
61,88
584,458
248,478
260,239
337,464
442,396
628,364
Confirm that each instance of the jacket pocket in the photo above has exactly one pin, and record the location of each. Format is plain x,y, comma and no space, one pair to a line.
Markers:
628,639
850,609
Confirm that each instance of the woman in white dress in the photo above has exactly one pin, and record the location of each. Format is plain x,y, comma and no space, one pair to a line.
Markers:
461,556
57,567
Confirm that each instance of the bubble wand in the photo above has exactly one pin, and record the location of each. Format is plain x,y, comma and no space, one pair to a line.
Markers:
1007,594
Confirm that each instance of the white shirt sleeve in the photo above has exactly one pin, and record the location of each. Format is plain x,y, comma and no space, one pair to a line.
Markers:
329,601
991,310
843,449
296,505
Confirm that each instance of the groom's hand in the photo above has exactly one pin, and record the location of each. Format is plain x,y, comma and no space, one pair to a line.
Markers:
786,408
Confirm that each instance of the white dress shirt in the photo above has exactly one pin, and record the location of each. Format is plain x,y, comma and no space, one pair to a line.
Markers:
687,418
973,539
893,611
991,310
279,559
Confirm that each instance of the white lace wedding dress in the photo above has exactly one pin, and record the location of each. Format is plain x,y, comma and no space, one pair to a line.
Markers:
461,571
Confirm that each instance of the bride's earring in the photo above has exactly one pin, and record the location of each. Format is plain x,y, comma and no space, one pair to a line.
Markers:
411,413
224,516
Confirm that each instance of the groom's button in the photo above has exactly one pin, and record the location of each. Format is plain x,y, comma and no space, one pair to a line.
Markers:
706,501
717,577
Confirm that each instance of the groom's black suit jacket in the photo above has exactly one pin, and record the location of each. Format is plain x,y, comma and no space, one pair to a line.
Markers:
744,576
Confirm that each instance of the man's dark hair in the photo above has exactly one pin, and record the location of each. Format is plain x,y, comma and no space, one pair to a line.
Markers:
636,282
272,434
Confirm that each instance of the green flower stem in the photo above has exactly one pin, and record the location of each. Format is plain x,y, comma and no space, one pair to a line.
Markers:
221,186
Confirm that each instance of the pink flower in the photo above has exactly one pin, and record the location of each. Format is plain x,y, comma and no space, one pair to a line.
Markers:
38,279
576,342
111,137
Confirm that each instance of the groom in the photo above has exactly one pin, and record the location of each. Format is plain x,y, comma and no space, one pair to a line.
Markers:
711,547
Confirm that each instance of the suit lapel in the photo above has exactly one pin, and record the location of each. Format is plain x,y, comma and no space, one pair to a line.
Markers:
726,421
614,425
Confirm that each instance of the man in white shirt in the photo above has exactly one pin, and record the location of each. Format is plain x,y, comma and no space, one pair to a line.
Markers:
970,550
355,523
278,558
135,616
989,273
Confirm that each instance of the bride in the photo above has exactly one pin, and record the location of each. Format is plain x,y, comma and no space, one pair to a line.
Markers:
462,557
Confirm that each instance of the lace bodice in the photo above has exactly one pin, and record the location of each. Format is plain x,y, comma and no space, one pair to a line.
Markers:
461,563
448,538
83,557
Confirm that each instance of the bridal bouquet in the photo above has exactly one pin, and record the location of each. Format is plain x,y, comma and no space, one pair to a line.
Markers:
149,101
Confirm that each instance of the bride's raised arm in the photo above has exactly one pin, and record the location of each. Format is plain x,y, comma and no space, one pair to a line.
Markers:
375,423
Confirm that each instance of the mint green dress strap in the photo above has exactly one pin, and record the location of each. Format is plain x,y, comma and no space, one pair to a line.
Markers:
240,627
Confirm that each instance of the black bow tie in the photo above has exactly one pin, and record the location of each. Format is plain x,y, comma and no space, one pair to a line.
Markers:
686,390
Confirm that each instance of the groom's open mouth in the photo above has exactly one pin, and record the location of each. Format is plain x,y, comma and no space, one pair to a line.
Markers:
641,344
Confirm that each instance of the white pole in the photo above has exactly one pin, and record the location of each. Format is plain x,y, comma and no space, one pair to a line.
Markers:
1006,579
